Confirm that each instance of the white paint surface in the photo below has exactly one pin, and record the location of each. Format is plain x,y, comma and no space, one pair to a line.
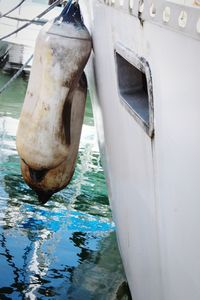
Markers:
153,184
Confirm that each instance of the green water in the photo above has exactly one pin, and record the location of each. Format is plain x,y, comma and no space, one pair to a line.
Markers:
65,249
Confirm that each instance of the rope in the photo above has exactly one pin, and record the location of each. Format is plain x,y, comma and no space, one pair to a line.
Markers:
16,75
37,22
15,7
33,20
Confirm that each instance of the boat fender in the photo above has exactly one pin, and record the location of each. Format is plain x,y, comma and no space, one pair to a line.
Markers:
47,182
50,124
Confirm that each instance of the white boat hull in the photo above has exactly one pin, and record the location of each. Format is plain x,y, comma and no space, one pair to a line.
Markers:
153,181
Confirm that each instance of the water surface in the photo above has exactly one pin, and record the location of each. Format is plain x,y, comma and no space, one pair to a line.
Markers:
65,249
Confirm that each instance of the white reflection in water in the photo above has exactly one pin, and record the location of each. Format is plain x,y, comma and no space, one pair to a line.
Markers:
8,128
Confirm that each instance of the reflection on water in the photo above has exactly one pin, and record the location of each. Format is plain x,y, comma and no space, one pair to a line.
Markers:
67,248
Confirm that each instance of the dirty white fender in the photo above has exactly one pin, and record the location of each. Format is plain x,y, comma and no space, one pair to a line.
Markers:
50,123
47,182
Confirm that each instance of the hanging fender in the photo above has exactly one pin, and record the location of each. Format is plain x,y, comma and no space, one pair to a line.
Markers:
47,182
50,124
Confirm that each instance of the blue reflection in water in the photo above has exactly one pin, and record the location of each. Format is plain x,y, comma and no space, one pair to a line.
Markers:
67,248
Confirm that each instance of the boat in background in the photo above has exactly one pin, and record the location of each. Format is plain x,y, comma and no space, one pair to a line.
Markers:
144,85
4,49
21,45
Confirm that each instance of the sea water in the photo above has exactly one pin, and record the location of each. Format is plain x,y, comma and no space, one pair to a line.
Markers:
65,249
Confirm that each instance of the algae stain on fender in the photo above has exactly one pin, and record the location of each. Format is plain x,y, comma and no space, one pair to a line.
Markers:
47,182
50,124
